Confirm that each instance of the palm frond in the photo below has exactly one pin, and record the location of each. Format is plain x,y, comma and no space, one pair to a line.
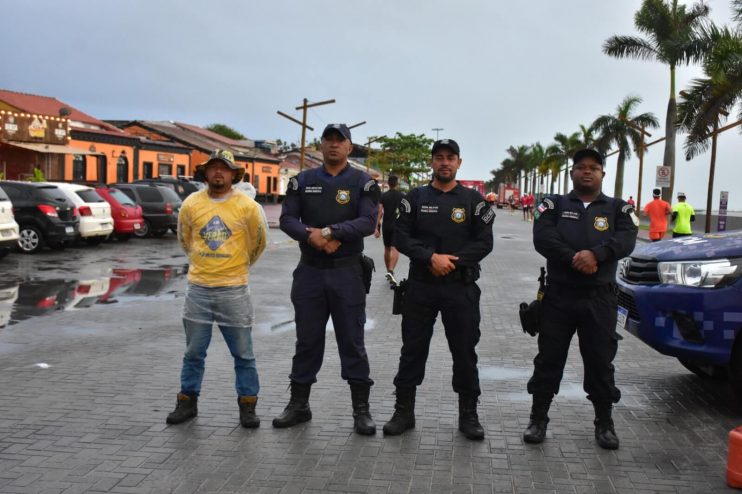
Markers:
630,47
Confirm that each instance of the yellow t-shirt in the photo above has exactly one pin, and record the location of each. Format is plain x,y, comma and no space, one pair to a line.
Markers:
222,239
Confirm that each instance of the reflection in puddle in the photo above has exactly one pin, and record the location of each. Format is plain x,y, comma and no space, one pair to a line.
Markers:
37,298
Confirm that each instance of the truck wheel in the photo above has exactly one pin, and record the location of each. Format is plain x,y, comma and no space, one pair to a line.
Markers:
716,372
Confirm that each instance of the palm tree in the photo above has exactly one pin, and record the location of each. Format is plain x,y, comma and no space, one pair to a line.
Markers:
615,131
561,152
536,156
672,39
710,99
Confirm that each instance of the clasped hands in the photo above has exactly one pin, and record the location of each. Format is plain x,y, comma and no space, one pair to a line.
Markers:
585,262
317,241
442,264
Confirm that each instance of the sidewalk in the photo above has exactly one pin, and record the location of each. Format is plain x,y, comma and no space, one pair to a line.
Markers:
93,420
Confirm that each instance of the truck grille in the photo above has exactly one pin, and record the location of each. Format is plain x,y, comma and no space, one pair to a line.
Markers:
626,300
639,270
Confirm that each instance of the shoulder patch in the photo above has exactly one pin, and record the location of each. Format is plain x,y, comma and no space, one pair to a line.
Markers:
293,184
367,186
548,203
405,205
489,216
479,207
627,209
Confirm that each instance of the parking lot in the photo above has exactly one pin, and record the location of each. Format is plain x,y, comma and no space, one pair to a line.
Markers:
90,351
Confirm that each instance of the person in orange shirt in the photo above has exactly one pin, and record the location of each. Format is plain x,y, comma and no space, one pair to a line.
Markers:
658,211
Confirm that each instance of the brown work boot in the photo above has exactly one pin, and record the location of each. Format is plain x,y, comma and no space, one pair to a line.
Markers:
248,418
186,408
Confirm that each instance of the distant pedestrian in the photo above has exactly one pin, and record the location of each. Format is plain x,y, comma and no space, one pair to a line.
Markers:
388,212
683,215
657,210
329,210
631,202
511,203
582,235
446,230
223,233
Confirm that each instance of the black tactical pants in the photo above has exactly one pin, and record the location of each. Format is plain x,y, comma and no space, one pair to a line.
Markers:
458,303
592,313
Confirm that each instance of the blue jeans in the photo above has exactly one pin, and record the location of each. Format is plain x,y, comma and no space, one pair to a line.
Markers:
231,309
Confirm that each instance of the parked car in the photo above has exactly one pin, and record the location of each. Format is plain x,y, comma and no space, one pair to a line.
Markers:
96,222
44,214
683,297
127,215
8,226
182,186
160,214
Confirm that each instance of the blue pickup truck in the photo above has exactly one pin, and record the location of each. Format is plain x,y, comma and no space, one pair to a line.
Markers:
683,297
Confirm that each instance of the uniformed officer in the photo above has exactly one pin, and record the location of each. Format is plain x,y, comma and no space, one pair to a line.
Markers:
582,235
446,230
329,210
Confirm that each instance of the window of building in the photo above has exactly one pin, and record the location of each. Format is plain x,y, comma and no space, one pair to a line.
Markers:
147,169
181,170
256,183
275,184
122,170
164,169
78,167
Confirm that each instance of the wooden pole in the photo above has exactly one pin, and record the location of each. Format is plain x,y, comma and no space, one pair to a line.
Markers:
303,134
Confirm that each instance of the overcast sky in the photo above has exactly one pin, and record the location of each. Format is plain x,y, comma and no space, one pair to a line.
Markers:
491,73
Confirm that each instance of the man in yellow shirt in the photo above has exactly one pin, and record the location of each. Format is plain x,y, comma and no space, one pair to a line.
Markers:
683,215
223,233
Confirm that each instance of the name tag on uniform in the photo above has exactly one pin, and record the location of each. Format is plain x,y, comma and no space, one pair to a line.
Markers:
570,215
313,189
429,209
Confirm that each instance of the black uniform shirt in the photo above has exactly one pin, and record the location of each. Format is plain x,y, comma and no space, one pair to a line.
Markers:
563,226
390,200
457,222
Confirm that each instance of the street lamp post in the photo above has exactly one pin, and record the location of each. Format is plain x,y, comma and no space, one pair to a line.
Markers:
436,130
305,105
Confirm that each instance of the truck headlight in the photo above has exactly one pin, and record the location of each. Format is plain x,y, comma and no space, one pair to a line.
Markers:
702,274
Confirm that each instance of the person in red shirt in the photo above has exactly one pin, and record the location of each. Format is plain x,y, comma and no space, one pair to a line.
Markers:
658,211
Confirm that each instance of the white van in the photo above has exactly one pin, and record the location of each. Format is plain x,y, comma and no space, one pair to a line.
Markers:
96,222
8,226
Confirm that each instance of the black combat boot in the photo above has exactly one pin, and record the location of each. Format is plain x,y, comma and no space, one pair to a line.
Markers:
186,407
248,418
297,411
536,430
468,419
404,413
362,421
605,433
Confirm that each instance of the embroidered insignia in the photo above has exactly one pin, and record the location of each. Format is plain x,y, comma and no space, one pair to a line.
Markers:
458,215
479,207
293,184
549,203
369,184
488,216
601,223
571,215
343,196
405,204
215,233
627,209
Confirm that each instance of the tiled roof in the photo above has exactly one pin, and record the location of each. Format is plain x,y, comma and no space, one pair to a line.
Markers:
46,105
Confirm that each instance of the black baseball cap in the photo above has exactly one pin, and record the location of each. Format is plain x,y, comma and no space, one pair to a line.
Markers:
588,153
446,143
341,129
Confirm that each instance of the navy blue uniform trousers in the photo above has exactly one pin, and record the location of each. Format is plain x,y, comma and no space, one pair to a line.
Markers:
317,295
458,304
592,313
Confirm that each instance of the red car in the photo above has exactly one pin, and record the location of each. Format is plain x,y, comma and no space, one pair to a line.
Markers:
127,216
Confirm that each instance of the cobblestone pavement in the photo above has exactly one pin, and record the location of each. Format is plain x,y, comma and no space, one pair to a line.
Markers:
93,418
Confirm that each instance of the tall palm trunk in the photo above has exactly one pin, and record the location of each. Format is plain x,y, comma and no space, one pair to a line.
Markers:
566,178
670,132
618,189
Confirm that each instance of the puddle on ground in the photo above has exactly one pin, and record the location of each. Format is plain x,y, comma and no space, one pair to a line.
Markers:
37,298
502,373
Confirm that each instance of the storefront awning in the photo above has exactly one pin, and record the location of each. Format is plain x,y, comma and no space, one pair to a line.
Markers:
41,147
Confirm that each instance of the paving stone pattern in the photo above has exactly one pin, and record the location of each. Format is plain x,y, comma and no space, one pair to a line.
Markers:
94,420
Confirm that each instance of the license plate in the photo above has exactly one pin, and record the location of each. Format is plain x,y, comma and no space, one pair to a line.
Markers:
69,229
623,315
7,233
136,226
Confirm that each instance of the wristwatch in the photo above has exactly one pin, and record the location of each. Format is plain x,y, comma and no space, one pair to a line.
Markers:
326,233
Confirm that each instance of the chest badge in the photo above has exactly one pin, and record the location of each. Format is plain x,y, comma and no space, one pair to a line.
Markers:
343,196
458,215
601,223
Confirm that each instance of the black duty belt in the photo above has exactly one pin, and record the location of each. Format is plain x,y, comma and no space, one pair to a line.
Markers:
588,290
329,262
